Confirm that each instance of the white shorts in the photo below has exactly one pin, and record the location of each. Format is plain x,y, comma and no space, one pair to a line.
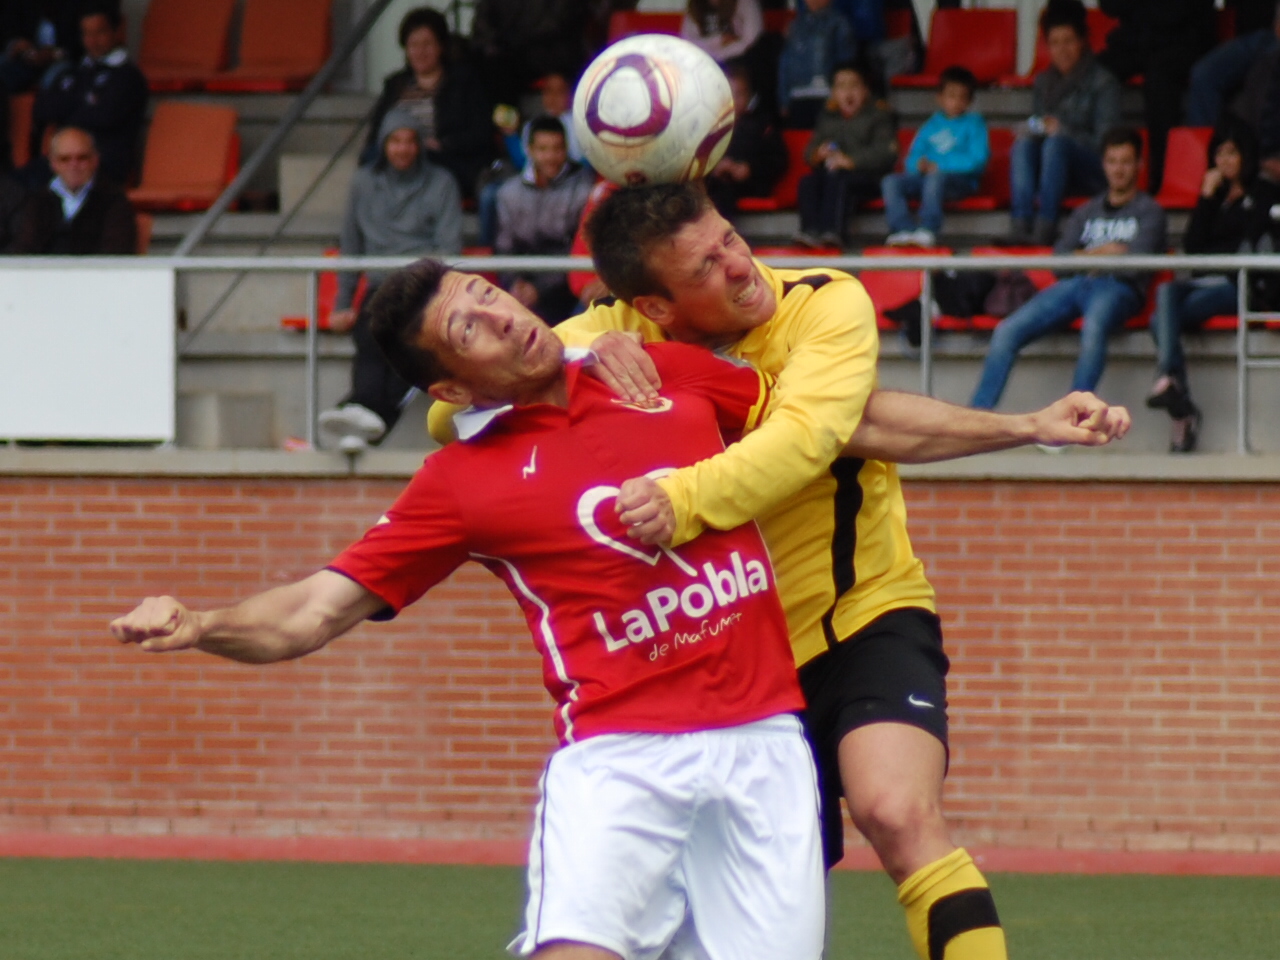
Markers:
705,845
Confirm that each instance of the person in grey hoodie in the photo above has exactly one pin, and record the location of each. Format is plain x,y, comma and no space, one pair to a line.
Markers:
1120,220
401,204
1073,103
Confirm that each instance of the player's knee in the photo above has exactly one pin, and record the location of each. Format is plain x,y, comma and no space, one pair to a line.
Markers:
897,816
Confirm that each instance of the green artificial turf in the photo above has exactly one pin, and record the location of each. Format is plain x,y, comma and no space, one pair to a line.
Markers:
184,910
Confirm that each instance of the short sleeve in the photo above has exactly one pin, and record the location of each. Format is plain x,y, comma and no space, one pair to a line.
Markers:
414,546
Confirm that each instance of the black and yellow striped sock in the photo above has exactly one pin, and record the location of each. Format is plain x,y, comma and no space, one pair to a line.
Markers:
950,913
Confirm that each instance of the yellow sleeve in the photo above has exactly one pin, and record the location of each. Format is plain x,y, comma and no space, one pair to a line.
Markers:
579,331
826,376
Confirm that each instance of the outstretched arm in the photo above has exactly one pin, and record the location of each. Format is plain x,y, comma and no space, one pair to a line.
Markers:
280,624
910,428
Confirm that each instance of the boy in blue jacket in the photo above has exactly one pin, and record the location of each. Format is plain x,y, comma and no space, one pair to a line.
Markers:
945,162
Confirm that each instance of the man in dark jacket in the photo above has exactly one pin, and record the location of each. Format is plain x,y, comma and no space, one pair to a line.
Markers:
105,94
78,213
756,157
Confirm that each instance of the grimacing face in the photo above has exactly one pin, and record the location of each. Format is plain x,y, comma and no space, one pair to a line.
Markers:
717,293
496,350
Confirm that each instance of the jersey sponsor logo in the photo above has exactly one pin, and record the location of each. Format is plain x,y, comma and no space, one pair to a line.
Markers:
657,405
712,588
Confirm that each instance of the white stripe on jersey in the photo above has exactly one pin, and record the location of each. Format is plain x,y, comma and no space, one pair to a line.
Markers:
548,637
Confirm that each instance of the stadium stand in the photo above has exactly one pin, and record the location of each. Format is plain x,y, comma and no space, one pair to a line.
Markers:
193,152
985,41
1185,163
283,43
184,44
890,289
784,194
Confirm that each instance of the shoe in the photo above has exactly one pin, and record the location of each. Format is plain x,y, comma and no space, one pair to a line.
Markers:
923,238
353,420
1185,432
1048,448
900,238
352,444
831,239
1165,393
802,238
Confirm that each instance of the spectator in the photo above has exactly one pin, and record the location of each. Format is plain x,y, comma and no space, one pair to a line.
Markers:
1225,69
401,204
1222,222
1074,102
1120,220
538,213
726,29
819,37
854,145
1159,39
78,213
445,96
105,95
945,162
1258,101
12,200
521,40
756,157
557,101
40,38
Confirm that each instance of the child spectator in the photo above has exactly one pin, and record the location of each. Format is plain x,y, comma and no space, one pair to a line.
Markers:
1223,222
945,162
854,144
756,157
819,37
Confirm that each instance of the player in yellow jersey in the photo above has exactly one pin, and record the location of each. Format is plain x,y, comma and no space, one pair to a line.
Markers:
863,625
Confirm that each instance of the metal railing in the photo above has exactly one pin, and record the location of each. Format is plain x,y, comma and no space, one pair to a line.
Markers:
1239,265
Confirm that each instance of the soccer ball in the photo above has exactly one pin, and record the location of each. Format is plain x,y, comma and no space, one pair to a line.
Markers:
653,109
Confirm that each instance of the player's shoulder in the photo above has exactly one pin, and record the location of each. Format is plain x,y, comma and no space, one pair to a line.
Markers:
804,283
671,357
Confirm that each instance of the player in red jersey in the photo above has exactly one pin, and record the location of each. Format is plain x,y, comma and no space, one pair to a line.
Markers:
667,823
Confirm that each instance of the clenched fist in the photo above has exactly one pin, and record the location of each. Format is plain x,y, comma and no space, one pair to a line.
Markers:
159,625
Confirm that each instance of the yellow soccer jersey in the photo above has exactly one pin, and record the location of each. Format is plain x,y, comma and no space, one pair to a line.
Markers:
836,531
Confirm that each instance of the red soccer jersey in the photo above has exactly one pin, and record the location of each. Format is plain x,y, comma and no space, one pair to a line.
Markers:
634,639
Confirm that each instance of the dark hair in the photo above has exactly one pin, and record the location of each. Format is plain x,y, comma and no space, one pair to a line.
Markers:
1065,13
545,124
1241,134
433,20
624,228
396,313
1119,136
711,19
857,66
103,9
958,75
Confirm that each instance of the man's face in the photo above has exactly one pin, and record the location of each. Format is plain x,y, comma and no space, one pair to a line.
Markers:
98,36
548,153
496,350
401,148
73,158
422,51
555,95
1066,47
1120,164
717,291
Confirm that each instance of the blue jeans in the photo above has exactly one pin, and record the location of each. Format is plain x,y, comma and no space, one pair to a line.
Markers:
933,189
1042,170
1182,305
1220,72
1104,302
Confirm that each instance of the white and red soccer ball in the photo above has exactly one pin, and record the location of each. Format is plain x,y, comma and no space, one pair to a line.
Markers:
653,109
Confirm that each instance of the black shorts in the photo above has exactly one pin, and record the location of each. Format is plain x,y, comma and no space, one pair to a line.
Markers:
892,670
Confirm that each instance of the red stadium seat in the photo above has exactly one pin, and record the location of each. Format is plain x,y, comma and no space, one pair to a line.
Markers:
777,21
184,44
1186,160
193,152
283,44
890,289
1099,25
785,193
20,108
897,23
985,41
326,298
626,23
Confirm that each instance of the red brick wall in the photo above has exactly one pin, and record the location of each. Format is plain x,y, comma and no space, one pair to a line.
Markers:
1115,684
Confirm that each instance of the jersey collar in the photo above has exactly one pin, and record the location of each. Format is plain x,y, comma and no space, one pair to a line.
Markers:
473,421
